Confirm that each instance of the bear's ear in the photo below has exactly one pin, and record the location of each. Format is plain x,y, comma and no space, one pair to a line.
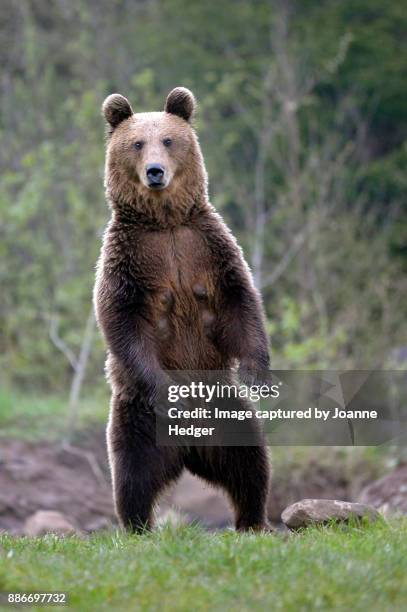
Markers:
180,101
116,108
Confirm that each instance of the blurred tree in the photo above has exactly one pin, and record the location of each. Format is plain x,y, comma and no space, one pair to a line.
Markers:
303,126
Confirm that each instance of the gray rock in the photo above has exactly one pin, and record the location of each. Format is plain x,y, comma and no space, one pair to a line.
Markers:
318,511
49,521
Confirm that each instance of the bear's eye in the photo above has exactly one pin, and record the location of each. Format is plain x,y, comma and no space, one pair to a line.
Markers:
167,142
138,145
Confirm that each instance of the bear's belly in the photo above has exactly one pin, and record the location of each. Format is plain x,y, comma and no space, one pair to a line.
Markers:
185,329
184,304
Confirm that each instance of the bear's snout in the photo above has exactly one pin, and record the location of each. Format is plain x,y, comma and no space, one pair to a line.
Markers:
155,175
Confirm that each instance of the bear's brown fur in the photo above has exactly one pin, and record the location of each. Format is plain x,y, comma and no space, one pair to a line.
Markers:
172,292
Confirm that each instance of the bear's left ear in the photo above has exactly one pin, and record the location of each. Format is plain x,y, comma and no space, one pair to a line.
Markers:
180,101
116,108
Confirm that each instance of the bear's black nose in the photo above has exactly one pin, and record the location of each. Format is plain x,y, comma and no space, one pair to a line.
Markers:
155,173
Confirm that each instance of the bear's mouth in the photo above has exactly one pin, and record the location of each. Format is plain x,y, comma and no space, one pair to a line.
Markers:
156,186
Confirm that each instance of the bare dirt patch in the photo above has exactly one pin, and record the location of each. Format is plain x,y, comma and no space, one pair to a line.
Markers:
75,480
51,477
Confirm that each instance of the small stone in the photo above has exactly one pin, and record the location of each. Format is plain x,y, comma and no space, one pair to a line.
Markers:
49,521
319,511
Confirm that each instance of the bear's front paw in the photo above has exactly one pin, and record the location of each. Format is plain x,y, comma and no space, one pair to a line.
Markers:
251,373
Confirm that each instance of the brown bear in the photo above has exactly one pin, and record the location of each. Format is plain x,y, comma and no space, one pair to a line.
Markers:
173,292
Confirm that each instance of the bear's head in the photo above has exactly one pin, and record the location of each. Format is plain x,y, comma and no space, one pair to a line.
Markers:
154,163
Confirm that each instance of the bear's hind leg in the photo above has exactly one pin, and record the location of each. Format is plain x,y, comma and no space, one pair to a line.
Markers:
244,473
140,469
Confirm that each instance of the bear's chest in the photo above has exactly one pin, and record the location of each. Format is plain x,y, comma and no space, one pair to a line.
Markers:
178,259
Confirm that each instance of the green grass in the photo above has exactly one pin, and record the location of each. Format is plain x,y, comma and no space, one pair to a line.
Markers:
331,568
27,416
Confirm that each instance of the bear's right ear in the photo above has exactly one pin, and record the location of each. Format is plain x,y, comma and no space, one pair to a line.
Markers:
116,108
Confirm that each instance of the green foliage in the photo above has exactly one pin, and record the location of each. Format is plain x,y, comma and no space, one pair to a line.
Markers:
302,124
342,568
25,417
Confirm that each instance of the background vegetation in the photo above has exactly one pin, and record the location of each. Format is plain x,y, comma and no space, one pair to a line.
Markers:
303,126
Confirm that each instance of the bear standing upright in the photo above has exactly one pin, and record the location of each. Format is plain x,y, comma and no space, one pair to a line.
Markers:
172,292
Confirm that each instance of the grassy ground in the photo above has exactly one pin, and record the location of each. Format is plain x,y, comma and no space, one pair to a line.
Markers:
332,568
